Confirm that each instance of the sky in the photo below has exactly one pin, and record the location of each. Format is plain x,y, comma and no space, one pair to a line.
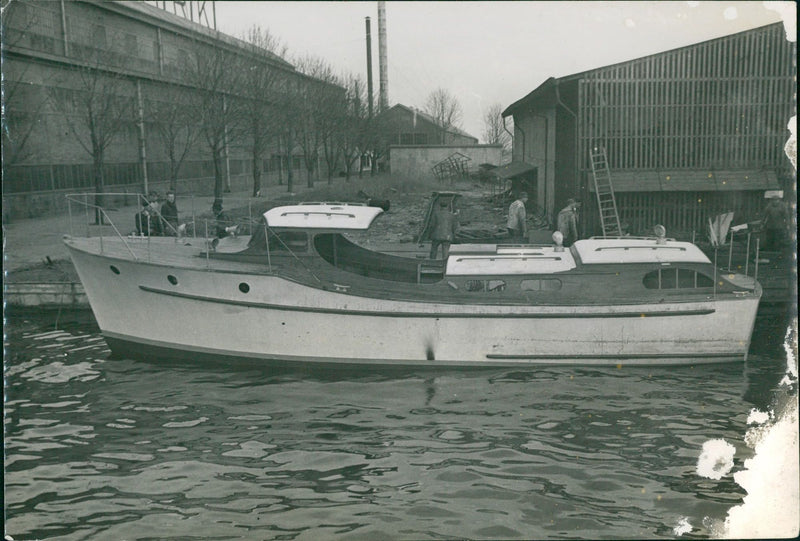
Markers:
485,53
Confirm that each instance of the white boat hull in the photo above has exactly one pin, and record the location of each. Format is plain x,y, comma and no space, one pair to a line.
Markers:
206,315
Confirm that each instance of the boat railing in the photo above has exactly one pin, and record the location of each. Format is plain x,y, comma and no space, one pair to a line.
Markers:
101,218
104,219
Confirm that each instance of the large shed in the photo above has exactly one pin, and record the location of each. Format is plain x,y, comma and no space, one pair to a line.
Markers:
689,133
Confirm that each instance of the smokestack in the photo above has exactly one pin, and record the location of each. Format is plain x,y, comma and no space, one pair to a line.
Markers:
382,61
369,68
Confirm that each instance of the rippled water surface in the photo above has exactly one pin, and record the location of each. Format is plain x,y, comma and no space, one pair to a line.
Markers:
106,448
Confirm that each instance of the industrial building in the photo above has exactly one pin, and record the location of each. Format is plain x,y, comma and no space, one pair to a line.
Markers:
687,133
144,52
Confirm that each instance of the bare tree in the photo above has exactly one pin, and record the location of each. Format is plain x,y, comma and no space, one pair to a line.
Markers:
22,109
313,111
445,109
494,131
260,87
213,75
353,137
172,119
96,110
22,105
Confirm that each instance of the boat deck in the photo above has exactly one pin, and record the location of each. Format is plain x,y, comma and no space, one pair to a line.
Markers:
166,251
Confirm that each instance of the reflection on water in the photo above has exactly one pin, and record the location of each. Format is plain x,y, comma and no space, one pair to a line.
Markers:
107,448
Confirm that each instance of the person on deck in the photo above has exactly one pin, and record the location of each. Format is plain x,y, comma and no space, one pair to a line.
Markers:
443,229
776,217
147,221
169,214
567,222
223,225
517,224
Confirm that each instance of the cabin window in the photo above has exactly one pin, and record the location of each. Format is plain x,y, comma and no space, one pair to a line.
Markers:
495,285
485,285
172,280
244,287
474,285
295,241
114,269
674,278
546,284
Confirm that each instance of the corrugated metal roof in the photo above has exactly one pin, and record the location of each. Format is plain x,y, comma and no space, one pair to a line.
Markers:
693,180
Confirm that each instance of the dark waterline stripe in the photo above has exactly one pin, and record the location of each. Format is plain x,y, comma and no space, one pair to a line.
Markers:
602,315
619,357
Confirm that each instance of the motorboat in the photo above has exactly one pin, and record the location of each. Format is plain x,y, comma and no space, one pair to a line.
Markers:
299,290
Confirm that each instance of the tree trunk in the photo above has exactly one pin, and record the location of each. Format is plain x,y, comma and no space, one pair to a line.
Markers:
289,164
173,175
256,173
219,177
99,186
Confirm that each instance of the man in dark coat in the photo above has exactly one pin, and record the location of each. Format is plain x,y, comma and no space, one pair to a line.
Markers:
169,214
147,221
776,218
443,230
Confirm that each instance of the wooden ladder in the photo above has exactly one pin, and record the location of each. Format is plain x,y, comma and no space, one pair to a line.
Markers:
606,202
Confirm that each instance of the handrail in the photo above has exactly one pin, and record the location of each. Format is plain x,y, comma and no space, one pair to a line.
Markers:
105,215
627,237
655,247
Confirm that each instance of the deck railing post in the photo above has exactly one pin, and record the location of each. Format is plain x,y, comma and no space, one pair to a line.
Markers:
194,220
747,255
758,246
86,208
266,237
730,252
69,211
208,245
715,271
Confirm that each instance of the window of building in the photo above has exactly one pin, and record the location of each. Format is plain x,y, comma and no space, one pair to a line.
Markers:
131,44
99,36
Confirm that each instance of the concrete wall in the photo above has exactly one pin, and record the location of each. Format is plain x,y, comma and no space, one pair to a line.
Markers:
417,161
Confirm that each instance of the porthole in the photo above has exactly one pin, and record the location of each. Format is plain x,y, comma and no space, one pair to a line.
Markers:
172,280
114,269
244,288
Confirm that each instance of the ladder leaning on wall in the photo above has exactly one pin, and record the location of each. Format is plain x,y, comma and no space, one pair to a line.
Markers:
606,202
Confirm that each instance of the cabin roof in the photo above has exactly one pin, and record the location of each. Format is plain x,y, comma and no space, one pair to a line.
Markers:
323,216
491,259
637,250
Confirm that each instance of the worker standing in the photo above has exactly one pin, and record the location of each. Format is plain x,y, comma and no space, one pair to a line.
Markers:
567,222
517,219
443,229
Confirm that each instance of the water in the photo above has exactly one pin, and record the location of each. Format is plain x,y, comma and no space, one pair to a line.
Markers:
106,448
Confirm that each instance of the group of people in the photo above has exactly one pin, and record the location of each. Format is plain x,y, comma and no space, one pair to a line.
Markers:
444,224
155,221
566,222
